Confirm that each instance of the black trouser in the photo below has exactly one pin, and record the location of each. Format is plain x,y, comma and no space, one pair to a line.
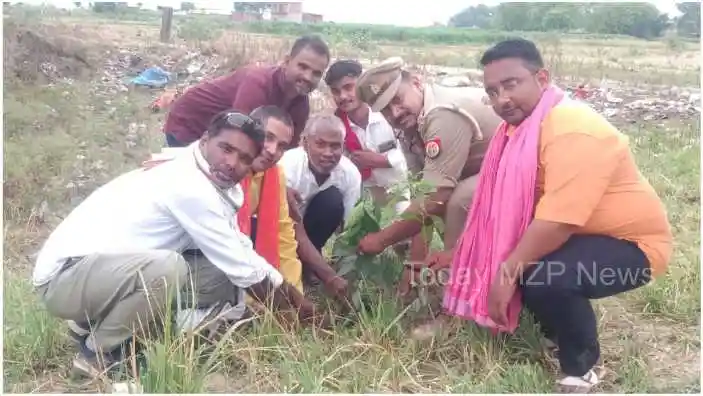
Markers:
558,289
323,216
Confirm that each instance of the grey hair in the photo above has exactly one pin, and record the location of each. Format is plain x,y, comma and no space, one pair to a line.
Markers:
323,120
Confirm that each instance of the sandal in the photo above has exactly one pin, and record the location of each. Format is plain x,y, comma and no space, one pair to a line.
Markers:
583,384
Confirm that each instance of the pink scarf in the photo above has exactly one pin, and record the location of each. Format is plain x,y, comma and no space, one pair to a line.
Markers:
502,209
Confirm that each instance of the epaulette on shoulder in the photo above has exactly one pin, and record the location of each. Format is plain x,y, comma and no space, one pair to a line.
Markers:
478,135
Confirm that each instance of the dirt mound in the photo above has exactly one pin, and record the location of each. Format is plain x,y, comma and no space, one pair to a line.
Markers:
36,55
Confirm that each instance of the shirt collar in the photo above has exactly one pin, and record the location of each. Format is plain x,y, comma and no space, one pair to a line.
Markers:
279,83
308,168
428,99
375,117
257,176
428,102
279,80
234,193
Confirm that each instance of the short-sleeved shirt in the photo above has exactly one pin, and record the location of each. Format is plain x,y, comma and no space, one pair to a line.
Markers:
461,147
345,176
588,177
244,90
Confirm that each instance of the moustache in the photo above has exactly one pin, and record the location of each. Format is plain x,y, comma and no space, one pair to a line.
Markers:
507,107
222,169
401,117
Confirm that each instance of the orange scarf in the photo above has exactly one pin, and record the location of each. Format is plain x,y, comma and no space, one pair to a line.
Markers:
266,243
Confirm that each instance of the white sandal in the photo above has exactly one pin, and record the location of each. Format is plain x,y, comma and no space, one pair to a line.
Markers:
583,384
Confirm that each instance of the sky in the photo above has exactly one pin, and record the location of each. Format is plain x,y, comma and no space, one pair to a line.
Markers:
393,12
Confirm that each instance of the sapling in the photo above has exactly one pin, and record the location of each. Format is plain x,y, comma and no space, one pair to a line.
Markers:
368,217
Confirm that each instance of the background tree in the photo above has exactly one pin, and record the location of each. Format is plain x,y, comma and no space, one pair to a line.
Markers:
480,16
635,19
689,23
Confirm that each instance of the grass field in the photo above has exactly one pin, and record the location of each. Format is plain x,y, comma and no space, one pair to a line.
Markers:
64,139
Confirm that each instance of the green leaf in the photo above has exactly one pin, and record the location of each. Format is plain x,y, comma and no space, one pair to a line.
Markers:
357,299
438,223
427,232
356,213
409,216
365,263
347,265
341,249
370,223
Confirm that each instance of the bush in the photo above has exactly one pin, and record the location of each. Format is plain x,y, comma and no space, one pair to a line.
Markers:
360,33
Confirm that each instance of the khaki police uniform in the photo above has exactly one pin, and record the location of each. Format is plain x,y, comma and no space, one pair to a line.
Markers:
454,129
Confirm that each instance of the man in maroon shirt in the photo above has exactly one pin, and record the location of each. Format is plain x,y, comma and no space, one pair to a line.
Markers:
286,86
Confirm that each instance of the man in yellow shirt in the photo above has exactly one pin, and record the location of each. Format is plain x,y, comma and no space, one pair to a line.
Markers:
266,216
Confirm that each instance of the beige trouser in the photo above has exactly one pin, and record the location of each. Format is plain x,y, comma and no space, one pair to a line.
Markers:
458,210
122,293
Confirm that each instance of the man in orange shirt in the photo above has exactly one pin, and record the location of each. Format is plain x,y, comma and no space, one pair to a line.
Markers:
265,216
597,228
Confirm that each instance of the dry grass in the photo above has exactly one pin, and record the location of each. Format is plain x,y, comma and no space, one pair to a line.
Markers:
63,140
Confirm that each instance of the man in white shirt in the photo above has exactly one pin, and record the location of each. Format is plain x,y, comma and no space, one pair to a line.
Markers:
328,184
370,142
108,265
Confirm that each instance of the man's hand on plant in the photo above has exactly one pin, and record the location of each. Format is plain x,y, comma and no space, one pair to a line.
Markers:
371,244
440,260
310,315
337,286
293,196
406,284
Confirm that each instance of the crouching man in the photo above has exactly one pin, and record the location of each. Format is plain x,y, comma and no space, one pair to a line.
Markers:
447,131
110,267
576,219
266,216
328,185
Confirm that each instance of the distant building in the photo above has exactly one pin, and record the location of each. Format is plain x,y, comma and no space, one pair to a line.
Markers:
242,16
290,11
209,11
312,18
286,11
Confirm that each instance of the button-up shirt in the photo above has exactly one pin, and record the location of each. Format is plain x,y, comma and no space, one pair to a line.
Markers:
379,137
454,118
173,206
243,90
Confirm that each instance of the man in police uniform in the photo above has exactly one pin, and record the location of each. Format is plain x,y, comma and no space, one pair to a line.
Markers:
446,131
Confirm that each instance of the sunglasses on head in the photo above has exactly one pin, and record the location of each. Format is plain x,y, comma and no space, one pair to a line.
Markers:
242,122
